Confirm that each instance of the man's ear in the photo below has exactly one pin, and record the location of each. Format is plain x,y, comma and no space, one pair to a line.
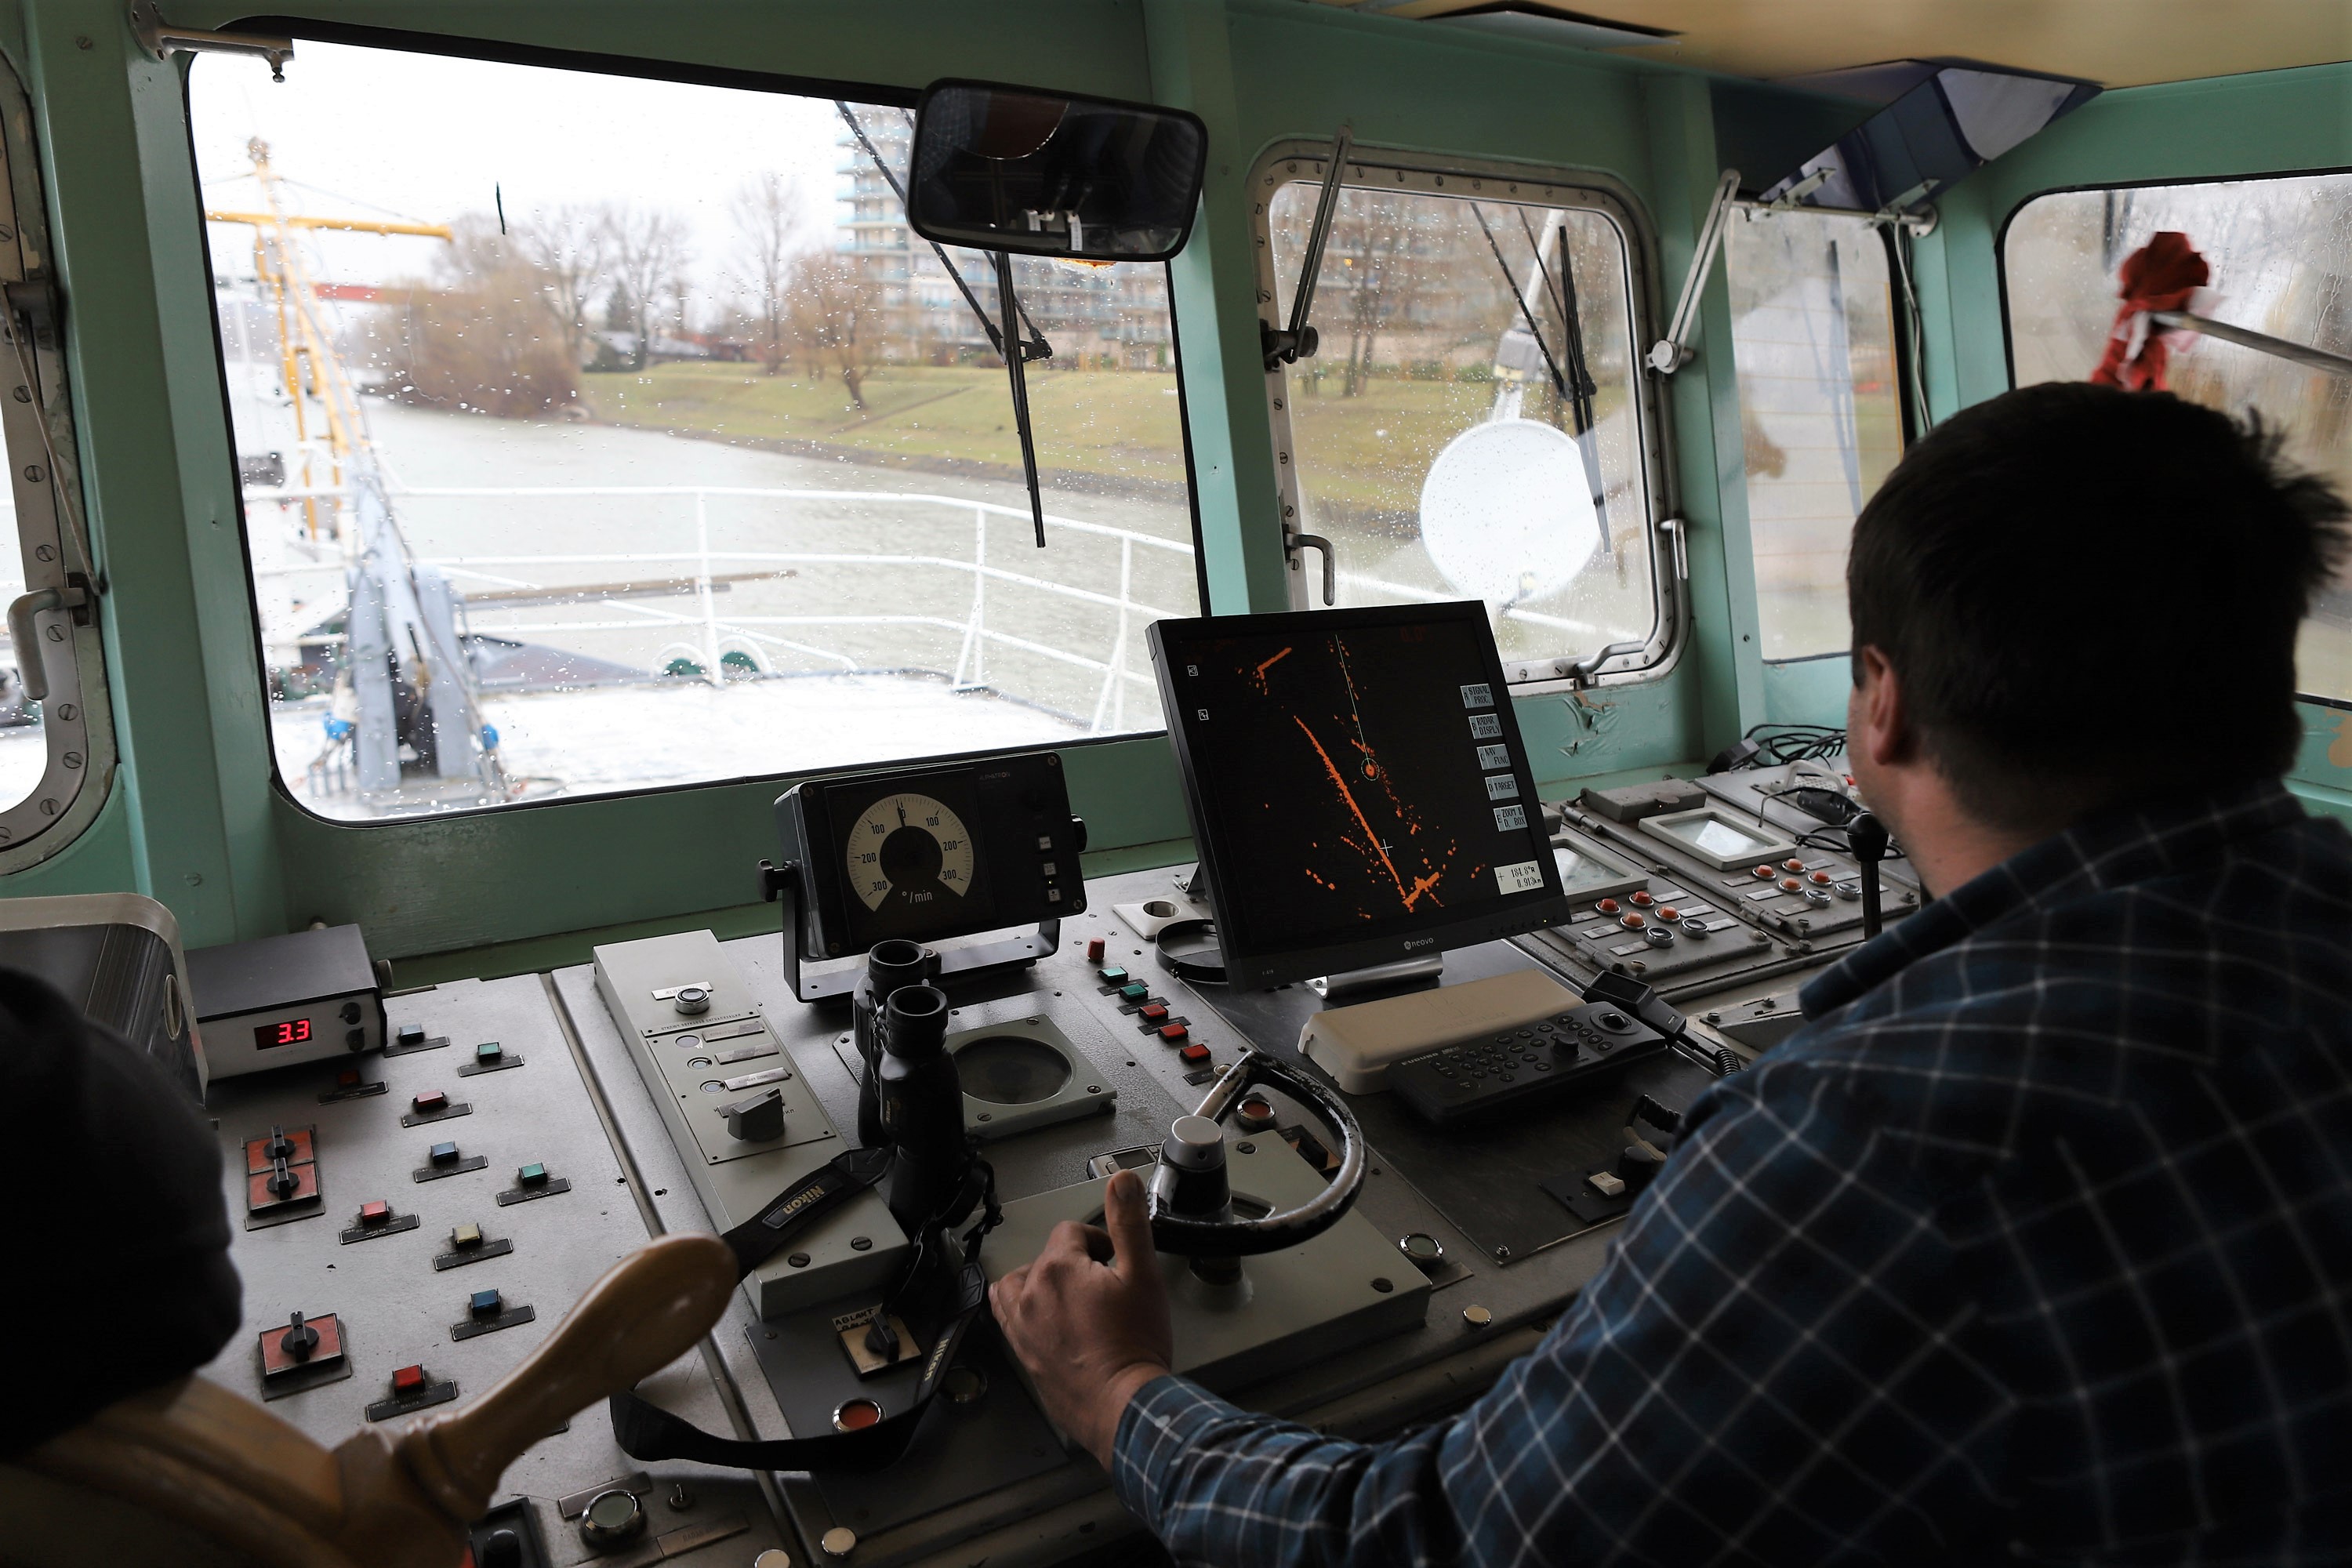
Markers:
1880,722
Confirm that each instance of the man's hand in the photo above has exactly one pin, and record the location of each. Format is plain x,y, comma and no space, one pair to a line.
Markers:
1089,1317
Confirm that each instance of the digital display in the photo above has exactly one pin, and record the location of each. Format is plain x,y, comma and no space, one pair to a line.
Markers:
1357,774
1587,870
293,1032
1720,838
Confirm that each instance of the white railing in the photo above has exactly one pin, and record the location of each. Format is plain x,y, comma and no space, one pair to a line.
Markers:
715,630
974,633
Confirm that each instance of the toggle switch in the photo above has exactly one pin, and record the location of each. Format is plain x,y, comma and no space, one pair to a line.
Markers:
282,1179
277,1146
757,1120
299,1338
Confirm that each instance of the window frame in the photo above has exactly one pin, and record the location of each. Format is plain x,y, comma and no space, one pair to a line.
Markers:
77,718
503,52
2000,277
1301,160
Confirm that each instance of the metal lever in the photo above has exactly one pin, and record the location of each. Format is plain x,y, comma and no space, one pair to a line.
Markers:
2262,343
160,37
1330,563
1671,352
1582,671
1865,836
32,669
1288,346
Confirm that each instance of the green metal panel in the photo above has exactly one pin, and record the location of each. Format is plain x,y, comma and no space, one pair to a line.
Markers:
1808,691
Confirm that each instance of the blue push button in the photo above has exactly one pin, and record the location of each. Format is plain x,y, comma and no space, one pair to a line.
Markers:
442,1153
485,1303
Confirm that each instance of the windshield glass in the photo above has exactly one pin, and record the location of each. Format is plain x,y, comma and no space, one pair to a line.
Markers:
2277,249
619,432
1470,427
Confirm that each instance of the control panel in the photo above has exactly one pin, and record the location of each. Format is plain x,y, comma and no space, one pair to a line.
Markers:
414,1219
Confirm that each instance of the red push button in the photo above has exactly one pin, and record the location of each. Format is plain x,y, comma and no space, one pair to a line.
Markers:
1668,912
376,1211
1820,879
1763,873
1154,1012
1790,884
1643,901
1171,1033
347,1078
432,1100
1195,1053
1631,922
408,1380
1094,950
1792,864
1608,906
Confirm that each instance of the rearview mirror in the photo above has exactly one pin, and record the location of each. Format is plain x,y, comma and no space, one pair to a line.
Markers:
1039,173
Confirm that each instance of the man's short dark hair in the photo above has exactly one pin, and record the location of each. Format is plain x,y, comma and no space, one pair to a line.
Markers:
2088,593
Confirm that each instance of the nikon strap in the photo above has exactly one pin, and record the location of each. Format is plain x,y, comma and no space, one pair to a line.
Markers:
646,1431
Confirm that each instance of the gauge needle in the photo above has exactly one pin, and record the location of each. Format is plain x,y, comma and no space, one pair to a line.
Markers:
902,813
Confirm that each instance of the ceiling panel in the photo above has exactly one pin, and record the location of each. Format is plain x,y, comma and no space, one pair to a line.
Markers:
2119,42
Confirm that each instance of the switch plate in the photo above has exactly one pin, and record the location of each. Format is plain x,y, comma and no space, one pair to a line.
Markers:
735,1180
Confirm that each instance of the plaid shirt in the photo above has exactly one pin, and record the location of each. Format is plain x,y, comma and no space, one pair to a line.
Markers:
2034,1244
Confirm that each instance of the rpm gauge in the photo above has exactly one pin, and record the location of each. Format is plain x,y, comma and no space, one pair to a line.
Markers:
908,852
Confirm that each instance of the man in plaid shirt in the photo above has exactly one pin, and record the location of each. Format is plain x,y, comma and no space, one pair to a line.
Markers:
2035,1244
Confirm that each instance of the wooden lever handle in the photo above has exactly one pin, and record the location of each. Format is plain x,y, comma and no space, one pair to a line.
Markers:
647,1310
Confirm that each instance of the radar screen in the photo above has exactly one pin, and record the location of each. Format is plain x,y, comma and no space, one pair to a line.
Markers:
1356,779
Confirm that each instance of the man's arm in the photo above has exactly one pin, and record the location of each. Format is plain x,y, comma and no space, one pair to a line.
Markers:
1771,1367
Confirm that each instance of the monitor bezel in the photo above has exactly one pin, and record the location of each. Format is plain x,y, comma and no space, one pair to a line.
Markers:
1263,969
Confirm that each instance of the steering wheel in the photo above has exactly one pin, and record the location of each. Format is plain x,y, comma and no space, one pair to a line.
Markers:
1190,1235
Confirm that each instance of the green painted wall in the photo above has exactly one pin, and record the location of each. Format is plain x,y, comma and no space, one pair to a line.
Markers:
195,819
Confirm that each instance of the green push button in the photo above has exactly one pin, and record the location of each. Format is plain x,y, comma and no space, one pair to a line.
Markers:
489,1051
1136,992
1113,974
527,1175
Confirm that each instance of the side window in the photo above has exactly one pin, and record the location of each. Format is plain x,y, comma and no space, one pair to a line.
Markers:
1812,327
57,742
2281,251
1473,424
623,436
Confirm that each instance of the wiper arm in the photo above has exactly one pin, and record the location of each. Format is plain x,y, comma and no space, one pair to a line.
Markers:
1034,346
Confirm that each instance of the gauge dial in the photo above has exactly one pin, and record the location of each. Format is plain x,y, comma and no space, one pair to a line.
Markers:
906,851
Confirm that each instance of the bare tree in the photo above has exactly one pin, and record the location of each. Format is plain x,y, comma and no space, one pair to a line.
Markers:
569,249
838,320
767,211
647,245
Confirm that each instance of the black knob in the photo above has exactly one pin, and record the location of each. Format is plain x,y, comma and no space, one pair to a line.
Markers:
500,1548
758,1118
300,1338
280,1147
1639,1165
282,1180
351,1012
355,1040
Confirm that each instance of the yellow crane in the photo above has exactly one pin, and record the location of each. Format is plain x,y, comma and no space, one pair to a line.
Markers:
310,365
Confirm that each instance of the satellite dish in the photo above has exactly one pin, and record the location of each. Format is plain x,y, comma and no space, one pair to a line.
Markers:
1506,511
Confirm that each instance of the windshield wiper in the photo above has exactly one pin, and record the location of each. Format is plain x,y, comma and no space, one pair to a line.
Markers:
1033,347
1576,393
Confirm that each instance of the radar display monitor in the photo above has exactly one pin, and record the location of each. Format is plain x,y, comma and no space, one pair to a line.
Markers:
1357,786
